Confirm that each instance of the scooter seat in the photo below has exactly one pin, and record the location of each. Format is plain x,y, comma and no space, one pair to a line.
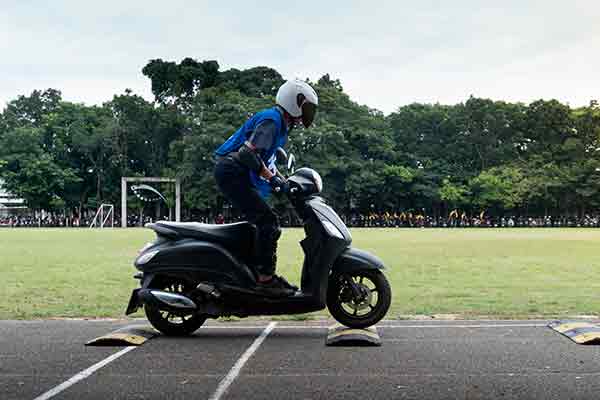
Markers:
237,235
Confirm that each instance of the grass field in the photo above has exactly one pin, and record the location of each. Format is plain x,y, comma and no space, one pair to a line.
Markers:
472,272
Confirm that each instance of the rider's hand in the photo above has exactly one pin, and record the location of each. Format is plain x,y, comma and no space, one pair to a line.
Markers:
279,185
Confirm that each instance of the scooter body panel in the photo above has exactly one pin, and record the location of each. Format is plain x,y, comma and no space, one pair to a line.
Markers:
242,302
199,260
326,238
320,253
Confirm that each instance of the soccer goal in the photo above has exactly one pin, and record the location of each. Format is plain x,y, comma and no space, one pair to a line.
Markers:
104,216
126,180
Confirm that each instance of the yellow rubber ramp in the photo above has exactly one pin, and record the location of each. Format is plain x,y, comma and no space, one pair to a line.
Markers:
340,335
581,332
133,335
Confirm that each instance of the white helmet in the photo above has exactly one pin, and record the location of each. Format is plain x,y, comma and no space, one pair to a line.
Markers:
299,99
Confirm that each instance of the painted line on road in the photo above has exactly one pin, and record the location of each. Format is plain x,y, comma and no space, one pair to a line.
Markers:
465,326
239,364
83,374
315,327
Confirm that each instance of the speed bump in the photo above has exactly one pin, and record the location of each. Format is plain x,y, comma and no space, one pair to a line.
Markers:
133,335
581,332
340,335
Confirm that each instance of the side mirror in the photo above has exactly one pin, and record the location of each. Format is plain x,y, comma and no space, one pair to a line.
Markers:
281,156
291,163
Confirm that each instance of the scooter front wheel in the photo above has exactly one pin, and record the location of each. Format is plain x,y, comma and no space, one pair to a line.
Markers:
360,298
166,322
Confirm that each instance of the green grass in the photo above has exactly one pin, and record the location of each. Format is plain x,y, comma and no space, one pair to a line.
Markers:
472,272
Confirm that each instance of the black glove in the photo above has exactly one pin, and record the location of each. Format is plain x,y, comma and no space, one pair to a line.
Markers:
279,185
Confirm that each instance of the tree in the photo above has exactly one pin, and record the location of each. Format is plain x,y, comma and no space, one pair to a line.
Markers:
172,82
453,195
30,110
31,173
498,188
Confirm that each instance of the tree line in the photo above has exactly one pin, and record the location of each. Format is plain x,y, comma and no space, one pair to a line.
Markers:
505,158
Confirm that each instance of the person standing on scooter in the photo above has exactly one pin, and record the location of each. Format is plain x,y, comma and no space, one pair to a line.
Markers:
246,174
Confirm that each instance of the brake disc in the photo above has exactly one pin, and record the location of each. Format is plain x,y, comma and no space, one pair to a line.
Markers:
365,300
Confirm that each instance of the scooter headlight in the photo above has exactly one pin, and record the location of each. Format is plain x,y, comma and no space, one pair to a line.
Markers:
146,247
318,181
332,230
144,258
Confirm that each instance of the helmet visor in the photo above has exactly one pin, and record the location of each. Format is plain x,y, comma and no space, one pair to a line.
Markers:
308,113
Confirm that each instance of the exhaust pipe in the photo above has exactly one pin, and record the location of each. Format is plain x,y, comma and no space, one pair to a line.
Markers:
208,289
167,300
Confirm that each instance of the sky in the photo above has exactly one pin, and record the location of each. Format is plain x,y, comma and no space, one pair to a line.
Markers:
386,53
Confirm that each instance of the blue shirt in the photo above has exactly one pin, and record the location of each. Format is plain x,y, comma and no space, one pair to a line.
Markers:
268,153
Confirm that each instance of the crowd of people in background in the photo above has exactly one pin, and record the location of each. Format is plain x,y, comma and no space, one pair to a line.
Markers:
456,219
62,221
28,221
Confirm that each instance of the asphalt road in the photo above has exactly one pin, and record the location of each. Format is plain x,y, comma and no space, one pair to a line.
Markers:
247,360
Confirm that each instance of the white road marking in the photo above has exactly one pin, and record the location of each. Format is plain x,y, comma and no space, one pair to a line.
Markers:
465,326
237,367
263,327
83,374
383,326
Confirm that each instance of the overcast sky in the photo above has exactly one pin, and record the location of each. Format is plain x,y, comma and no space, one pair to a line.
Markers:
386,53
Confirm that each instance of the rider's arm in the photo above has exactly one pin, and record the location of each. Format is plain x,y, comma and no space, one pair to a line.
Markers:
280,174
248,156
260,140
266,173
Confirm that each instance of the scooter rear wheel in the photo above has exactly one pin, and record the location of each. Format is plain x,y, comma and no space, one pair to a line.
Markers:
166,322
362,309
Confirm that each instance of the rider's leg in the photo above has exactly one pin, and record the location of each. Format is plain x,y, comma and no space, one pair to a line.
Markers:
234,182
269,233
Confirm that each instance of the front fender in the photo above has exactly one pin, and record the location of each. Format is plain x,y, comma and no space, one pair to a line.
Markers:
354,260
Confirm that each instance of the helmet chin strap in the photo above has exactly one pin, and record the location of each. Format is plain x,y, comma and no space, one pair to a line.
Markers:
289,120
298,120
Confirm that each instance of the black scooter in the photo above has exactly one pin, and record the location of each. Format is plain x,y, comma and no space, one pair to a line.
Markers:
195,271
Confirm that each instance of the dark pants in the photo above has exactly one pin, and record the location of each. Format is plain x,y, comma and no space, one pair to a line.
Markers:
233,180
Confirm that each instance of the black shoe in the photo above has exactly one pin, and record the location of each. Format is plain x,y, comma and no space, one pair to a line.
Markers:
276,286
285,283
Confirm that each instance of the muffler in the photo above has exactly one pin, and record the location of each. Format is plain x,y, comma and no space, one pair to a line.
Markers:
166,300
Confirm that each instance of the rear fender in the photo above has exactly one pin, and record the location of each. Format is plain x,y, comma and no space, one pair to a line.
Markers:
352,260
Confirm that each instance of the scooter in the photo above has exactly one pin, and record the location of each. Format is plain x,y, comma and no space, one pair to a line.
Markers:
195,271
